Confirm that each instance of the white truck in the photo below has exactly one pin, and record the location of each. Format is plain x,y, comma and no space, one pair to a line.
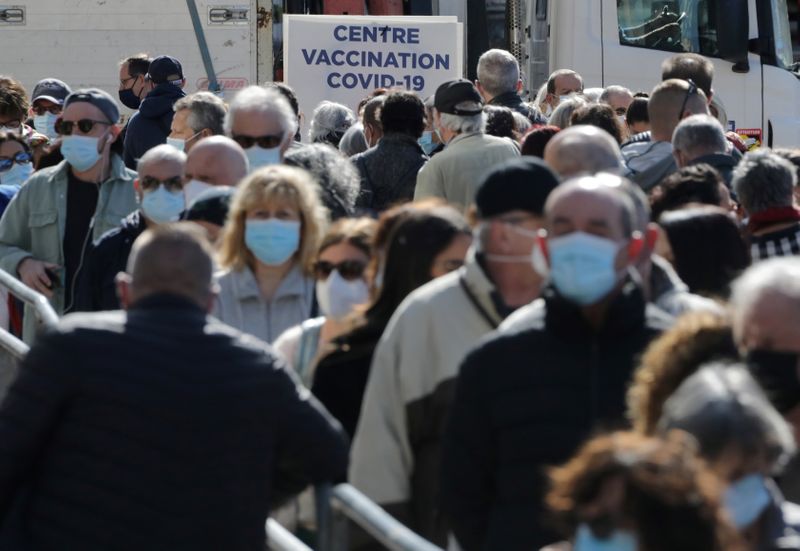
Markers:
229,44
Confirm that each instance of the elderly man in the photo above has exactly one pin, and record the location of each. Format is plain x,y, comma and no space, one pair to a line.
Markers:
582,149
159,190
45,231
396,448
619,99
764,183
262,122
158,426
455,174
701,139
215,161
499,83
197,116
560,85
556,371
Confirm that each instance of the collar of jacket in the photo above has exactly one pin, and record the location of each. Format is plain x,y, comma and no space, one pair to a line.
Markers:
165,301
399,138
779,532
506,99
663,278
717,160
245,285
118,170
483,289
461,137
160,100
626,313
134,223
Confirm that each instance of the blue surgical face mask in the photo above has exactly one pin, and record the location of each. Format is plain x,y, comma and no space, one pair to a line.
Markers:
426,142
272,241
162,206
46,124
582,266
16,175
259,157
746,499
618,540
80,151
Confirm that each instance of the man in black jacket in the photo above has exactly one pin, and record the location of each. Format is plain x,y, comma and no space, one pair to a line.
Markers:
159,427
556,371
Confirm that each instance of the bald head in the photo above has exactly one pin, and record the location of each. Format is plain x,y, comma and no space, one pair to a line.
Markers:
173,259
217,160
582,149
671,102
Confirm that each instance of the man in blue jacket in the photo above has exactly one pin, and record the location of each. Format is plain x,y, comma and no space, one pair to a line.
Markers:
150,126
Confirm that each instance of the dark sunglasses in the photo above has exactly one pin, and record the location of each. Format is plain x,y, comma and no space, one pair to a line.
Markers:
20,158
84,125
692,90
349,269
55,110
267,142
173,184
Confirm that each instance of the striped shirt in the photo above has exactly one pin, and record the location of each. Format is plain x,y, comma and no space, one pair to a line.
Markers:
784,242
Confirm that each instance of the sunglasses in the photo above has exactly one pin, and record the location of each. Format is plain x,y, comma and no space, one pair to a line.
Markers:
54,110
172,185
692,90
348,269
267,142
84,125
20,158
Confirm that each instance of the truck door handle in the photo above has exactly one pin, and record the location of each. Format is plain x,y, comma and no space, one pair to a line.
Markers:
15,16
218,16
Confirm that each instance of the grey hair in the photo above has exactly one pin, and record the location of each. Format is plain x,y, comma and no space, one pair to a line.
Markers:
462,125
764,180
593,94
611,90
562,114
330,118
337,178
353,142
256,99
521,123
205,111
498,72
158,154
699,135
583,149
775,276
723,407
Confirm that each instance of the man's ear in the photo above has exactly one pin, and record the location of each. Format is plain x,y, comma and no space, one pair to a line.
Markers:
124,293
114,132
519,85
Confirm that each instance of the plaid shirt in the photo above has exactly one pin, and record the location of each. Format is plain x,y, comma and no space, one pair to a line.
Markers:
784,242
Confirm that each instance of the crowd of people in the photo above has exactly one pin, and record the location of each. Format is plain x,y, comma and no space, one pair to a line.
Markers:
565,323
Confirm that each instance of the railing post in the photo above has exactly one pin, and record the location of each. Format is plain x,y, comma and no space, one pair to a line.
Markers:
323,502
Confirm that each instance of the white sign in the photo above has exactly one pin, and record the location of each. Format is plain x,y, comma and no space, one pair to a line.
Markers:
345,58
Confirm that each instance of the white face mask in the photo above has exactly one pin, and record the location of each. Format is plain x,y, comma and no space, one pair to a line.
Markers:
46,124
193,189
259,157
337,297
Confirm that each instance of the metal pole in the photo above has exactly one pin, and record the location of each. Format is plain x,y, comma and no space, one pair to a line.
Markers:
44,310
213,85
280,539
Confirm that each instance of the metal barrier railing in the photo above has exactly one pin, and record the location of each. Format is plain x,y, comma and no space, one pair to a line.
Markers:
12,350
338,505
44,311
280,539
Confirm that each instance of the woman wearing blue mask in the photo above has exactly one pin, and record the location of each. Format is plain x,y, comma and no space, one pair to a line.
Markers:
628,492
16,166
746,442
269,247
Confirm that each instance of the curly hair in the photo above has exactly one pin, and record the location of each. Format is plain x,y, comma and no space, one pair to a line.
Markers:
13,98
694,340
670,498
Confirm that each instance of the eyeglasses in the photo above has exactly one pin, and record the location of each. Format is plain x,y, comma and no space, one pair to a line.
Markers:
20,158
173,184
122,81
84,125
692,90
55,110
267,142
348,269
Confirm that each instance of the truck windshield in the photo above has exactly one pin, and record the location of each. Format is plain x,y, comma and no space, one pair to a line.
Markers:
672,25
782,28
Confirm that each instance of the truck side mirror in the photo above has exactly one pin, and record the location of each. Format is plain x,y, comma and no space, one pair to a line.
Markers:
733,36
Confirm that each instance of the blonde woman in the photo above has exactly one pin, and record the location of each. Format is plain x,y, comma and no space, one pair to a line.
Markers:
269,247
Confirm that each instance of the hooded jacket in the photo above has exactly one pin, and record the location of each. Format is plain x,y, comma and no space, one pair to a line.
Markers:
150,126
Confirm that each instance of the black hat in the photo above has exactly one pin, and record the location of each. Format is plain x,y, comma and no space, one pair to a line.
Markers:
100,99
453,92
51,89
519,184
165,69
211,205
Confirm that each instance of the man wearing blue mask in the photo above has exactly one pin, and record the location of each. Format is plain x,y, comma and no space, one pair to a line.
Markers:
46,230
159,191
47,103
556,370
262,122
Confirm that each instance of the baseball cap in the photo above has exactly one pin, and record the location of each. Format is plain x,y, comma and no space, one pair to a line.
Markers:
165,69
100,99
51,89
518,184
454,92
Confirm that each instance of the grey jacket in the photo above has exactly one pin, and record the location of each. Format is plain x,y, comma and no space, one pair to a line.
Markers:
240,304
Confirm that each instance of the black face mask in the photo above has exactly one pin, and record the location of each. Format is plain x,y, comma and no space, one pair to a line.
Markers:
777,373
129,98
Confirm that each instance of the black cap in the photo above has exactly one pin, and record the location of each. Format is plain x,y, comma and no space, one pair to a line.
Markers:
165,69
51,89
100,99
519,184
453,92
211,205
